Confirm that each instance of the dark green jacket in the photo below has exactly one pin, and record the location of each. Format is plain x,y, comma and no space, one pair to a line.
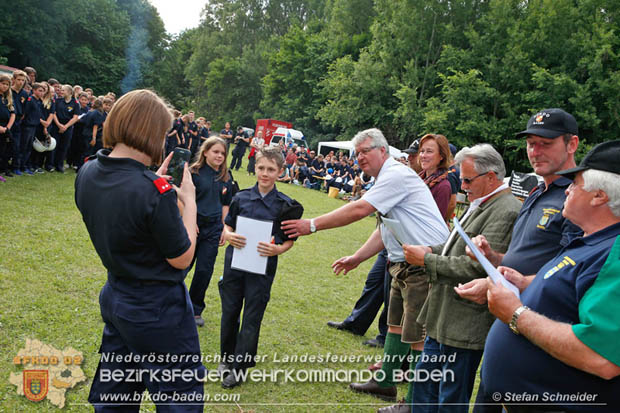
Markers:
448,318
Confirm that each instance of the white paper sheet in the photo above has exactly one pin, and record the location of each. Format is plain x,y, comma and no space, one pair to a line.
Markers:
486,264
396,228
247,258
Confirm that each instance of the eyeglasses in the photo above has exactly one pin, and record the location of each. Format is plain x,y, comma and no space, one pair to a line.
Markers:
365,151
468,181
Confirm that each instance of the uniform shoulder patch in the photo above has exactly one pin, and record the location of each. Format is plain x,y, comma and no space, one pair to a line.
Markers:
160,183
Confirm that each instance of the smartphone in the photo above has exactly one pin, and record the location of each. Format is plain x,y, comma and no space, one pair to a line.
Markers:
177,164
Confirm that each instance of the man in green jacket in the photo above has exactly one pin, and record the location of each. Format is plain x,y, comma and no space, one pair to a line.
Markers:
456,328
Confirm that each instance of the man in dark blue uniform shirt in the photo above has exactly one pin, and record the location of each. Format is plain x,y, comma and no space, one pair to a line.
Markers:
227,135
540,230
242,140
538,350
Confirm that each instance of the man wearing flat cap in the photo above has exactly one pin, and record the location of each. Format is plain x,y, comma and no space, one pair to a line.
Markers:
555,348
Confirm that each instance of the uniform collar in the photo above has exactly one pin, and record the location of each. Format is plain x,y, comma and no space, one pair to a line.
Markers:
611,231
268,199
561,182
103,156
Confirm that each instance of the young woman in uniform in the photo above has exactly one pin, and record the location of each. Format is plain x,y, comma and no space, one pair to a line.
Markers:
135,225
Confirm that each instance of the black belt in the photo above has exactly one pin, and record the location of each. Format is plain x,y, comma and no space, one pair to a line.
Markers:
156,282
140,283
209,220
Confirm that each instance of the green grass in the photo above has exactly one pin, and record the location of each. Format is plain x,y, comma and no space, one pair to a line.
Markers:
50,278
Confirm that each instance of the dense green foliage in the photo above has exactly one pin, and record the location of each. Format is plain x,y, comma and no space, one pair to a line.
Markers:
473,70
82,42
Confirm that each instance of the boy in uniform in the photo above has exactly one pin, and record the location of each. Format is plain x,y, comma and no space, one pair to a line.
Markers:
248,290
33,117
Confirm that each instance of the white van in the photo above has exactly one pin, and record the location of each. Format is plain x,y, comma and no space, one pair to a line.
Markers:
290,135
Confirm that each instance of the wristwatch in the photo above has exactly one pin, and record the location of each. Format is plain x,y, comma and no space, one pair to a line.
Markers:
312,226
515,317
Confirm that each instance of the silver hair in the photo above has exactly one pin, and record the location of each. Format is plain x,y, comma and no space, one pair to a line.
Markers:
376,137
608,182
485,158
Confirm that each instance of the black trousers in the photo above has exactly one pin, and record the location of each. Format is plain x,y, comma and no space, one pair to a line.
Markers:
204,257
237,155
250,292
5,150
63,142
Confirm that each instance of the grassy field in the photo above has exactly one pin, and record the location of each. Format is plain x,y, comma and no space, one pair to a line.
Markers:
50,277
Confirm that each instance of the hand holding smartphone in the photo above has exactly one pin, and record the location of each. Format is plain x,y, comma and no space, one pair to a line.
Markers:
180,157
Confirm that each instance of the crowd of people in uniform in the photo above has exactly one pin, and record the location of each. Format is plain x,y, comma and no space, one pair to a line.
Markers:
550,348
44,124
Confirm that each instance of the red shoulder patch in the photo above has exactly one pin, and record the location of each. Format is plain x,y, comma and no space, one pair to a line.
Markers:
162,185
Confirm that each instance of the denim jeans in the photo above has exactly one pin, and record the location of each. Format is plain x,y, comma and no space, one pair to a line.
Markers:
452,393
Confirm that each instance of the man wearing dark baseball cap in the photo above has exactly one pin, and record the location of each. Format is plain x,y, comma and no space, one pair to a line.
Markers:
550,123
412,155
540,230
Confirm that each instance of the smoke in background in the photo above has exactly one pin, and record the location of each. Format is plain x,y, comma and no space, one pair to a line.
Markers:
137,54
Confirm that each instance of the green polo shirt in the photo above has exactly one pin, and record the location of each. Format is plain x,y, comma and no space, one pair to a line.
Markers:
599,310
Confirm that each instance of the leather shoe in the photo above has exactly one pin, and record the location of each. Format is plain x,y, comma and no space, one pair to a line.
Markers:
372,387
232,379
223,369
401,407
343,326
373,342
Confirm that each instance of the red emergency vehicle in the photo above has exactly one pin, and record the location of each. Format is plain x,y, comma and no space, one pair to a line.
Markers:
269,126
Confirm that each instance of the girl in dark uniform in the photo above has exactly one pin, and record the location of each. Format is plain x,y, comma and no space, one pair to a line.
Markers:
213,196
133,220
7,118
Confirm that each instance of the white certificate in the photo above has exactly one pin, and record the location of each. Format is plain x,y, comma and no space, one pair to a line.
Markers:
247,258
486,264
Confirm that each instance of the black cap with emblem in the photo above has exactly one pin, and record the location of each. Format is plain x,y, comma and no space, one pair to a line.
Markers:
550,123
